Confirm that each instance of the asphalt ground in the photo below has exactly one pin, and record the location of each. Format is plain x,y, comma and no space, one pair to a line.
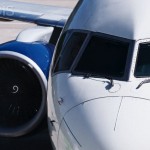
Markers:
38,139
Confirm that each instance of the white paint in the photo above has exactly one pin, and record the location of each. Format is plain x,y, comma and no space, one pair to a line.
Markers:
39,33
98,118
123,18
98,125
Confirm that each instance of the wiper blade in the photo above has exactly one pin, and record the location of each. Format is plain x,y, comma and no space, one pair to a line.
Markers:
111,81
88,75
143,82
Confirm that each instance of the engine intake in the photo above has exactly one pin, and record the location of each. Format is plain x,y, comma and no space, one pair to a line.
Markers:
23,86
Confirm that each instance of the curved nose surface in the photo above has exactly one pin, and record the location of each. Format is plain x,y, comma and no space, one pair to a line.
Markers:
111,123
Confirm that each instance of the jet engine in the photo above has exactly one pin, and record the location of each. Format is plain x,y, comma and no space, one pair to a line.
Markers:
24,69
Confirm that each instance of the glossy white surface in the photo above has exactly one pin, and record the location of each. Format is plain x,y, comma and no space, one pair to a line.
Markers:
38,33
112,124
123,18
99,118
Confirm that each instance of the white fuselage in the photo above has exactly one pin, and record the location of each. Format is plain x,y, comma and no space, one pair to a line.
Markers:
100,118
91,113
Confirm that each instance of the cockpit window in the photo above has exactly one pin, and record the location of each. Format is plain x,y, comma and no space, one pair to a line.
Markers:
103,57
60,46
70,51
143,61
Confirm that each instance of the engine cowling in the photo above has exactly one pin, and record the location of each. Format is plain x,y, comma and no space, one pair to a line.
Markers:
24,69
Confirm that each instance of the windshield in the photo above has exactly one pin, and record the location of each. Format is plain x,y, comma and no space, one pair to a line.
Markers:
143,61
70,51
104,57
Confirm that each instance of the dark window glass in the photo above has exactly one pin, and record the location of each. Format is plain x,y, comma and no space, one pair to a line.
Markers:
55,35
143,61
104,57
60,46
70,51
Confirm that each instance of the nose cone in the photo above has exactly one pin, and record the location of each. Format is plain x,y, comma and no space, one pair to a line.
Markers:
111,123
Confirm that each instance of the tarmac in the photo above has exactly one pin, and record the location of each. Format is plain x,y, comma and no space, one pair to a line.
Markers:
38,139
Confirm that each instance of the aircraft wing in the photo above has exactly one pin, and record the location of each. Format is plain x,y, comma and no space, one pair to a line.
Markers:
35,13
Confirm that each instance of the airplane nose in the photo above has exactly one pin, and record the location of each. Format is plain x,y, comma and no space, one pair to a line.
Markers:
111,123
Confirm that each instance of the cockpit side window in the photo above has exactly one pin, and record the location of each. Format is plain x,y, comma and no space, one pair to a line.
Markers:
143,61
60,46
70,51
103,57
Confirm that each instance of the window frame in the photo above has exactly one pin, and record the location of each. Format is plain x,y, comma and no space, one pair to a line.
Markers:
57,59
62,51
90,34
128,64
141,42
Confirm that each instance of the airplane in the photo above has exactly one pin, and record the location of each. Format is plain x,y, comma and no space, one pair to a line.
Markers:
25,64
97,85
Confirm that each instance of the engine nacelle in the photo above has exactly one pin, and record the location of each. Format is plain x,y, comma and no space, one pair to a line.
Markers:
24,69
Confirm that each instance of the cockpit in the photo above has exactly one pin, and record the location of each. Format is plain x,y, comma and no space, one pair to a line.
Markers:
89,54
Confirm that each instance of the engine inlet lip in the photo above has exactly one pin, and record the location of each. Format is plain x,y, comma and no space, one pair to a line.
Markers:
28,127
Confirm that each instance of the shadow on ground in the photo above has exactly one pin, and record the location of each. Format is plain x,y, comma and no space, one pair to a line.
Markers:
37,140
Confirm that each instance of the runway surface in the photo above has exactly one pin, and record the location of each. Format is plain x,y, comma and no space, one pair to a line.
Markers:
39,139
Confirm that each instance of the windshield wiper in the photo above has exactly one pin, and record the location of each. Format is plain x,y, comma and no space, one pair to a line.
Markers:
111,81
143,82
88,75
